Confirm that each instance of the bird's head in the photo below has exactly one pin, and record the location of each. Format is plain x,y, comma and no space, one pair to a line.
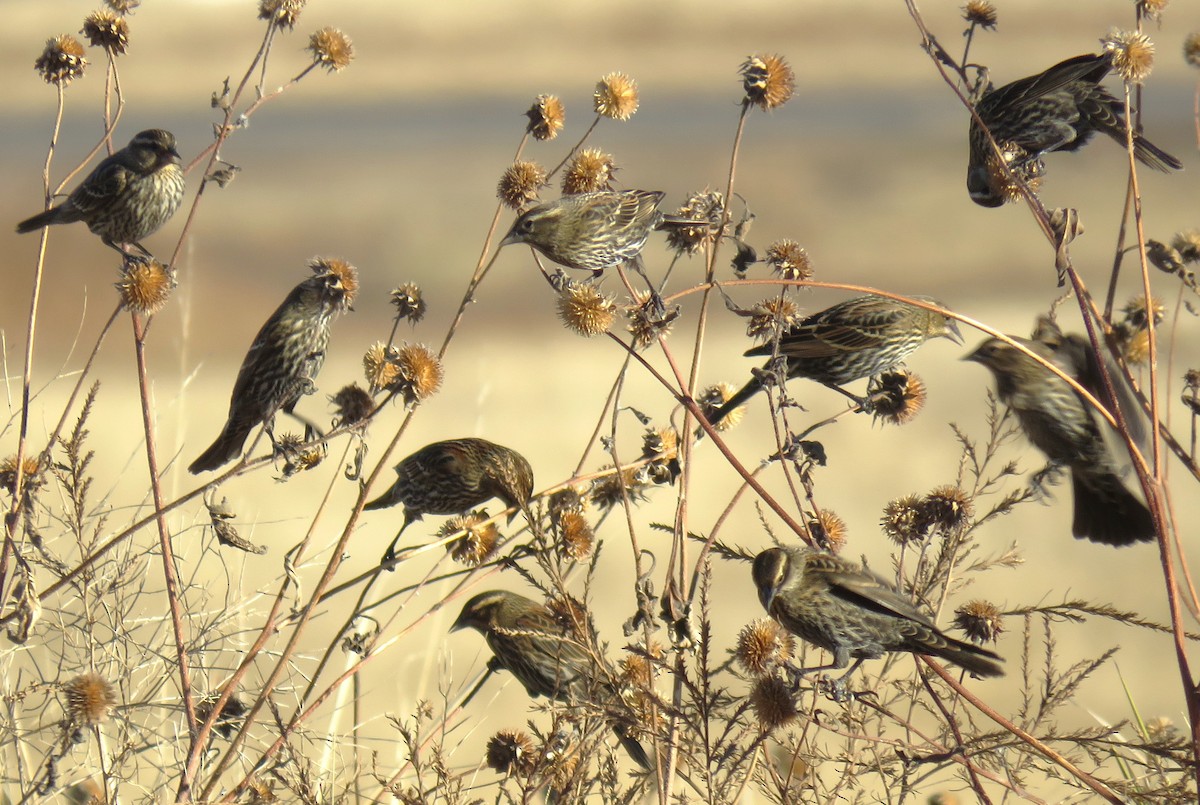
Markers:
772,568
534,225
154,146
484,611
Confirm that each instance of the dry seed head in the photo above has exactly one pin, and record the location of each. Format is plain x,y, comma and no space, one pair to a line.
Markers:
1191,49
589,170
61,61
616,96
145,286
606,490
1191,379
636,670
660,443
478,541
788,259
331,49
104,29
1004,183
420,373
546,117
903,521
713,398
947,507
380,367
298,460
647,320
764,645
1163,257
281,13
575,535
353,404
571,615
707,206
1135,347
1161,729
1138,312
409,302
8,473
980,621
896,396
772,702
347,275
90,698
1132,54
1187,243
1153,9
123,7
771,315
828,530
566,500
768,81
521,183
980,13
511,752
584,309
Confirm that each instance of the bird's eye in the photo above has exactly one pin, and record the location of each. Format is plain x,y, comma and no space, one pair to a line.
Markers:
525,225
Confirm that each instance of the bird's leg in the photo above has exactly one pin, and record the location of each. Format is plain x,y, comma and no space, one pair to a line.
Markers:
636,265
491,669
389,556
864,403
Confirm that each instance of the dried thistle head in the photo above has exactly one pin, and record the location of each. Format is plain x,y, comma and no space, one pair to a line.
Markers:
706,208
584,309
648,320
1132,54
713,398
606,491
1191,49
566,500
31,474
947,507
903,521
145,286
896,396
61,61
980,621
1152,9
636,668
420,374
104,29
763,645
1134,344
228,720
828,530
298,458
1138,312
660,443
789,260
511,752
90,698
772,701
1020,168
331,49
521,183
575,535
546,117
768,81
616,96
771,315
1163,257
123,7
980,13
1187,243
347,275
281,13
572,616
478,542
353,404
380,367
409,302
589,170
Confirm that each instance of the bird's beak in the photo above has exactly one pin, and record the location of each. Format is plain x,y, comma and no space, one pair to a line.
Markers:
510,239
458,624
953,333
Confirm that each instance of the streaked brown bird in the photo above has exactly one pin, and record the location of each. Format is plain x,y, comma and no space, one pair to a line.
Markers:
548,658
854,339
283,362
850,612
1056,110
453,476
127,197
1071,434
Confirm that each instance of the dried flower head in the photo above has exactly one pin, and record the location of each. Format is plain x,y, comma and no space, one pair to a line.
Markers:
1191,49
980,13
763,645
145,286
616,96
297,457
1161,729
636,668
281,13
772,701
771,315
123,7
409,302
713,398
229,720
104,29
589,170
1138,312
1152,9
575,535
789,260
90,698
648,319
478,541
946,507
347,275
706,208
353,404
828,530
511,752
61,61
31,473
980,621
1163,257
903,521
380,367
566,500
1187,243
584,309
521,183
1132,54
1135,345
546,117
896,396
768,81
1020,168
606,490
660,443
420,373
331,49
572,616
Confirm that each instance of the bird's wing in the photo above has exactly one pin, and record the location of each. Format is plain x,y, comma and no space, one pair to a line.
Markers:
106,182
865,589
636,206
1089,67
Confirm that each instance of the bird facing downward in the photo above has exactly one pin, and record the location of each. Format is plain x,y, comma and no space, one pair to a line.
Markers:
453,476
850,612
1056,110
858,338
543,653
127,197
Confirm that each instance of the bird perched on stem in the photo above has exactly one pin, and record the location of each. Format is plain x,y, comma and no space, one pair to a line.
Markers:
850,612
1056,110
453,476
858,338
544,653
1071,433
284,359
127,197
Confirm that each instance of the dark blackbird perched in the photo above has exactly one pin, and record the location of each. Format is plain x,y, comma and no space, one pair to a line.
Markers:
127,197
453,476
540,651
284,360
837,605
854,339
1060,424
1056,110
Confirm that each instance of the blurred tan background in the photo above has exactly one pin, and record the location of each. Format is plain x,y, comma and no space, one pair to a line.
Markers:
392,164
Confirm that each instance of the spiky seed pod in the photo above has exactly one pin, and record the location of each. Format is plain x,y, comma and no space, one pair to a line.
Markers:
771,315
768,81
616,96
331,49
1152,9
903,521
980,13
90,699
281,13
1187,243
980,620
714,399
789,260
104,29
584,309
31,474
773,704
1163,257
575,535
828,530
896,396
948,508
708,207
1138,312
353,405
1132,54
379,366
648,321
1006,172
123,7
521,183
606,491
1191,49
511,752
409,302
546,117
420,373
230,718
478,542
763,645
566,500
61,61
589,171
145,286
